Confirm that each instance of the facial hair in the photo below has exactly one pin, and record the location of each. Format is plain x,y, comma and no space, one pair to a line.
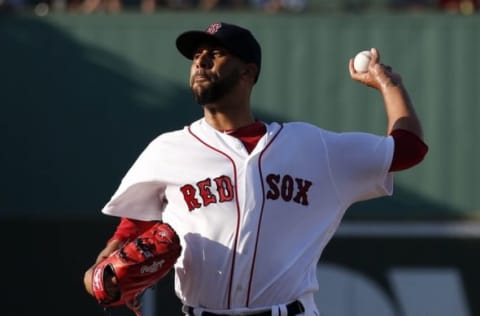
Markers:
218,88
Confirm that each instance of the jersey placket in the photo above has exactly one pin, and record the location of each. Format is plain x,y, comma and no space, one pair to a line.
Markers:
250,200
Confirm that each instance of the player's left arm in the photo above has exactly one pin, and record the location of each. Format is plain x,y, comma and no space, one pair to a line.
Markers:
402,121
127,229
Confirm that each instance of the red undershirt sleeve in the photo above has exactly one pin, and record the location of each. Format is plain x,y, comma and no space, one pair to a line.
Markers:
128,229
409,150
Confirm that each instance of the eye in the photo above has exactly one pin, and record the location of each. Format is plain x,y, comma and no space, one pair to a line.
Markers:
211,53
198,52
217,52
196,55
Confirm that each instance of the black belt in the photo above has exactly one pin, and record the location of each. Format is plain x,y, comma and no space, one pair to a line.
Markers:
293,309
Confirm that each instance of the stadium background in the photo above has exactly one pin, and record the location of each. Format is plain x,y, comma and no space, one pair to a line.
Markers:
82,95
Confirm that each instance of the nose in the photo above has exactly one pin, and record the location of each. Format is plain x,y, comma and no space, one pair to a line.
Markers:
203,60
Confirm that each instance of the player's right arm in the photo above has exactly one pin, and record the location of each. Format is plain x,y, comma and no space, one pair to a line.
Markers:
398,106
402,121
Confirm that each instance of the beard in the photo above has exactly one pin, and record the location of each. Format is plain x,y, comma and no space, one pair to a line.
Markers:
218,88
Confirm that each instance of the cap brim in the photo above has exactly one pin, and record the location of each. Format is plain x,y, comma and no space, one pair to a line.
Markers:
189,41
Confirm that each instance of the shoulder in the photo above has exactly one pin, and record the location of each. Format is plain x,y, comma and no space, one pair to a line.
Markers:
168,139
303,129
303,126
308,131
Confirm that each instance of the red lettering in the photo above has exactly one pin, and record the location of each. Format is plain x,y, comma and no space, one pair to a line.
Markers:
201,195
189,197
287,188
224,188
205,193
272,181
302,186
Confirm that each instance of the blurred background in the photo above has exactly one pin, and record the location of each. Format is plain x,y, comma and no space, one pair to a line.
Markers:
85,85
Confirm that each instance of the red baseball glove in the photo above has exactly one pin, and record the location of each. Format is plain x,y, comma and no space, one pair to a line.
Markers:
122,277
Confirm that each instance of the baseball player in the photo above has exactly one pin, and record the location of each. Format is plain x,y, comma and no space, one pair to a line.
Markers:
255,203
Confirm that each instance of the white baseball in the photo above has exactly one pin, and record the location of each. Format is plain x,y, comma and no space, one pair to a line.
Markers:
361,61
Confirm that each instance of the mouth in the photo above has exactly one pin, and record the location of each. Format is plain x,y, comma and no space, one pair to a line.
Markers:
200,78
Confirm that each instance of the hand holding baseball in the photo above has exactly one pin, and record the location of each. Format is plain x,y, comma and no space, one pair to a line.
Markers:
367,69
362,60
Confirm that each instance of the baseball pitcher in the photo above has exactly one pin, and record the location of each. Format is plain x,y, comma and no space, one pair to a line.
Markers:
252,203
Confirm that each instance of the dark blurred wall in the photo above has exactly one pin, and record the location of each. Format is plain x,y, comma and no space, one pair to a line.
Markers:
44,262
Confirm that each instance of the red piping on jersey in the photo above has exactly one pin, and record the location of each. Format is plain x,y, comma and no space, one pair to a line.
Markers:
260,217
237,228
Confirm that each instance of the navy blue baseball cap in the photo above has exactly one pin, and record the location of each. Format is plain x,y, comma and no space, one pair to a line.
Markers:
237,40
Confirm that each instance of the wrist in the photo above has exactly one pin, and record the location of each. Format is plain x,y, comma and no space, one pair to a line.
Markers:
391,85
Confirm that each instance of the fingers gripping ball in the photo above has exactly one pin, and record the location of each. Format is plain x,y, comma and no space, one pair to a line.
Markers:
121,278
361,61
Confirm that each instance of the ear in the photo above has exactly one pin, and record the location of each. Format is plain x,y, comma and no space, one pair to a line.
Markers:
250,70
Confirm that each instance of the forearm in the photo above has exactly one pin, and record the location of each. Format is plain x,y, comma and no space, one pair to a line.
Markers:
399,109
398,106
128,229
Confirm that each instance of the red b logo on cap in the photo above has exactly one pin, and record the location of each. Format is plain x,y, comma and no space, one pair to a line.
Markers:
212,29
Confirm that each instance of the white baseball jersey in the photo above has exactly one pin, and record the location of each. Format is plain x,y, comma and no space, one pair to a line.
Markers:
253,226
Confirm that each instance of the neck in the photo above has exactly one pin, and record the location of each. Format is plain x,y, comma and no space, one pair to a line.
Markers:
228,114
227,121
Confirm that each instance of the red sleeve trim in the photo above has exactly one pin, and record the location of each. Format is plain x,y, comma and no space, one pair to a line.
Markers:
128,229
409,151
